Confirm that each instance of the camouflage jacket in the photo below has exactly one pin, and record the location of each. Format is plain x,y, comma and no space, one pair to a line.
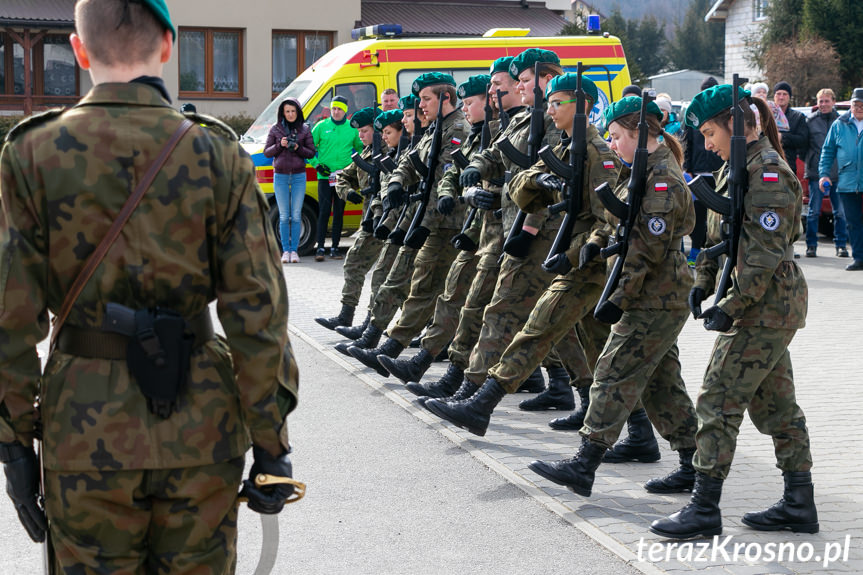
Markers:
655,274
449,184
601,166
199,235
352,178
455,131
492,163
768,287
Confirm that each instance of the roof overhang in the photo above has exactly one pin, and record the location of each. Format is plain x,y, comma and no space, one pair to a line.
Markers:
719,11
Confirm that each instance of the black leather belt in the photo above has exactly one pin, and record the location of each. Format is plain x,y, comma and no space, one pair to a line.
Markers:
98,344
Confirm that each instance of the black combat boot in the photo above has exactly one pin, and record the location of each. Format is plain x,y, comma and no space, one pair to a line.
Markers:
575,420
576,474
369,357
408,370
444,387
678,481
795,511
472,413
370,338
345,317
698,518
558,394
354,332
639,444
533,384
463,391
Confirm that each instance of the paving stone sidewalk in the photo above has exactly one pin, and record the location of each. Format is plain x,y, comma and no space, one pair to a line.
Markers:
828,362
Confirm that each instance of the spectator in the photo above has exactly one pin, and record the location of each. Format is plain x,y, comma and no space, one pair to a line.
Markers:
631,90
760,90
290,144
845,146
795,139
697,161
389,100
818,125
335,140
670,123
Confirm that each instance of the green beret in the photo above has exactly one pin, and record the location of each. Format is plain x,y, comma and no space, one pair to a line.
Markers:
364,117
160,11
529,58
568,83
407,102
628,105
431,79
387,118
500,65
474,86
710,102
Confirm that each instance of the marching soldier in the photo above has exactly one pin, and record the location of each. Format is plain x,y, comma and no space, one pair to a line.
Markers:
647,310
765,305
145,414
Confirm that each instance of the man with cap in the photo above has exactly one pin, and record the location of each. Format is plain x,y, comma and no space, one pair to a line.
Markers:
142,458
521,279
795,141
353,185
335,141
436,254
463,270
844,144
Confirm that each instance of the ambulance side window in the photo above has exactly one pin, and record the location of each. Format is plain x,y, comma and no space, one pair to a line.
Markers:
405,78
358,95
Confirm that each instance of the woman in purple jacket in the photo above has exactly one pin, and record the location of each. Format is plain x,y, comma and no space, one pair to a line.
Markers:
290,144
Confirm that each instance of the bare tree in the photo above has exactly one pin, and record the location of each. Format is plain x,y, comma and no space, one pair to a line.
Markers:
808,64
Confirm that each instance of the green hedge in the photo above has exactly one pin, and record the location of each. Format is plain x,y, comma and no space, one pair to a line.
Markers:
6,124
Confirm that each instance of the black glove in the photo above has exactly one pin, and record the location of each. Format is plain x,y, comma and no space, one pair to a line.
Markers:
470,176
382,232
367,226
323,169
445,205
396,195
549,182
354,197
696,296
559,264
478,198
716,320
608,313
588,253
22,485
268,499
519,246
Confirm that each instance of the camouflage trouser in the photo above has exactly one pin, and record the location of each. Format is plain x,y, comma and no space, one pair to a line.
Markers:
358,261
519,285
145,521
480,292
569,298
640,361
383,265
392,293
592,334
750,369
450,303
427,282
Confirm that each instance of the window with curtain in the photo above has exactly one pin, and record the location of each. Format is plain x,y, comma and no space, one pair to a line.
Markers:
211,62
58,67
294,51
53,70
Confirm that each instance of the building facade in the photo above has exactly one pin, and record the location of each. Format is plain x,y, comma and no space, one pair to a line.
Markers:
743,19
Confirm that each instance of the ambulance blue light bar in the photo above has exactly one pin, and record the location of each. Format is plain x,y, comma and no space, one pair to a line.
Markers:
376,31
593,24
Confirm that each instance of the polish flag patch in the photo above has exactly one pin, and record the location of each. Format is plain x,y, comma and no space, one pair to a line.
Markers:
770,177
455,141
608,165
662,187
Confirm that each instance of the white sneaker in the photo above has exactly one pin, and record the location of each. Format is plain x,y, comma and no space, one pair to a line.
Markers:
295,258
286,257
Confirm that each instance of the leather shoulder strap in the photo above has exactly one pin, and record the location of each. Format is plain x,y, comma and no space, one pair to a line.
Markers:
125,212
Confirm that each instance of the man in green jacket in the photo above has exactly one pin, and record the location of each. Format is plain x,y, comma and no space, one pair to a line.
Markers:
335,141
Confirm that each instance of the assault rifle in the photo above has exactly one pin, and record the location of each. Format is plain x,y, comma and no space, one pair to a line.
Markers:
626,212
572,174
373,170
526,160
731,207
502,114
417,233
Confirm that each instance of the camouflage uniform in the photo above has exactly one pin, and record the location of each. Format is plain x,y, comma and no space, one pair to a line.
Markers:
200,234
364,253
750,368
434,258
572,296
640,359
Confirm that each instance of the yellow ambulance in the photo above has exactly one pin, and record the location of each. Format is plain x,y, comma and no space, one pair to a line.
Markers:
361,70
